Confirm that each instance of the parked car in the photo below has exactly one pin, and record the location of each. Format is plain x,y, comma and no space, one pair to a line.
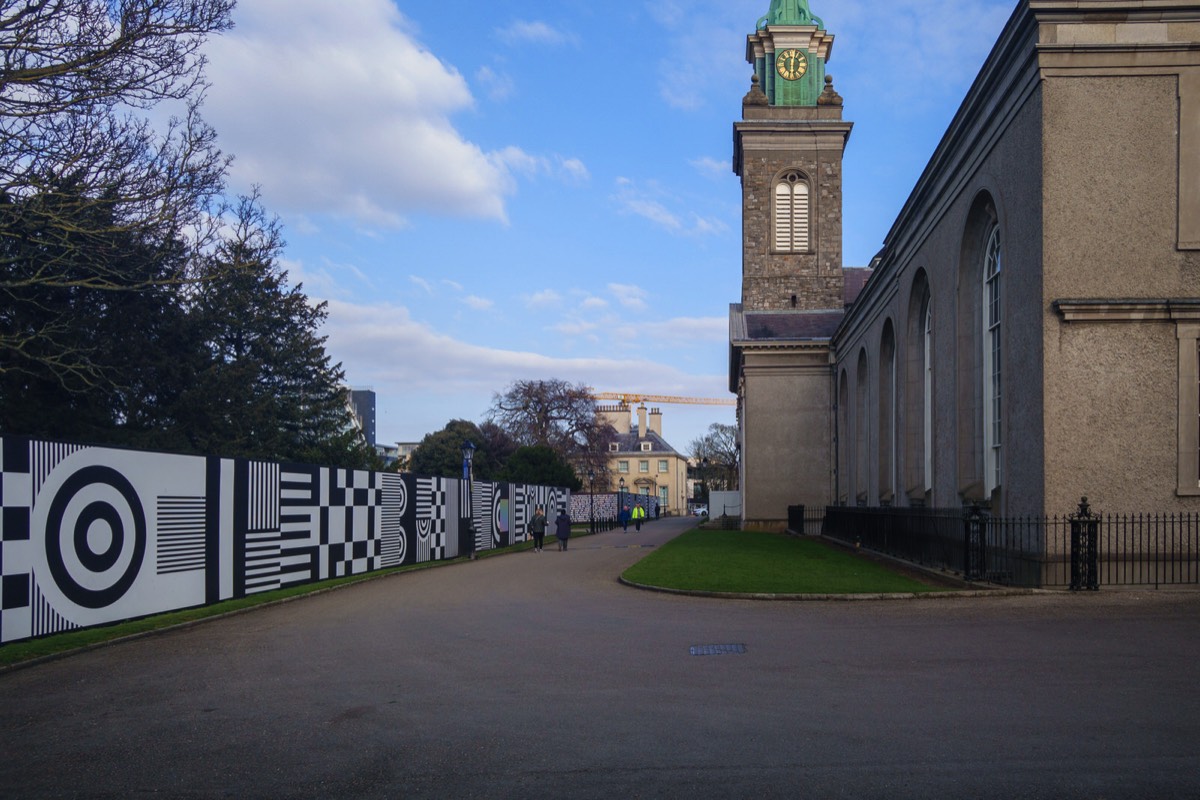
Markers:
700,511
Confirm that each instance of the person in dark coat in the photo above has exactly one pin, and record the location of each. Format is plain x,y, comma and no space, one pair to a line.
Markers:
562,529
537,526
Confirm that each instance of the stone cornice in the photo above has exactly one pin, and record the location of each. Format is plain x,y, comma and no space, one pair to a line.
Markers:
1129,310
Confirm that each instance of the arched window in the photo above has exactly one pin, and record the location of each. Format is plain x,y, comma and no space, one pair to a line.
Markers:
791,213
843,433
862,441
886,439
927,338
992,431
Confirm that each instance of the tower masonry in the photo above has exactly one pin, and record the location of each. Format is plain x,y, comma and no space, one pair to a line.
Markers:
788,153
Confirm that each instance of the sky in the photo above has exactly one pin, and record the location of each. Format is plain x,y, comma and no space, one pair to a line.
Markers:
520,189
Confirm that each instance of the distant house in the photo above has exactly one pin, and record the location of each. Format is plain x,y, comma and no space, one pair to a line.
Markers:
643,458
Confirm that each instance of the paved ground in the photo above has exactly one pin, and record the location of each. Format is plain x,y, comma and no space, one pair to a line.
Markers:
537,675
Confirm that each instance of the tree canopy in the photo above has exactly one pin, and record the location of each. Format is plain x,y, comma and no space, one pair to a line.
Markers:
138,305
440,453
541,466
716,453
554,414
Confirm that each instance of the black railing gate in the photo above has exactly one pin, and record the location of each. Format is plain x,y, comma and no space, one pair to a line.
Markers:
1085,560
975,544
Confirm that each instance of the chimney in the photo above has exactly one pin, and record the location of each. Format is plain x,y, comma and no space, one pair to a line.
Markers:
656,420
615,415
642,421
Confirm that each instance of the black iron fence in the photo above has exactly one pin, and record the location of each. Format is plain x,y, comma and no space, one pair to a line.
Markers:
1083,550
806,521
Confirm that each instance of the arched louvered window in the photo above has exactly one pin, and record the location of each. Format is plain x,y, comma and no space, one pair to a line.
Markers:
791,213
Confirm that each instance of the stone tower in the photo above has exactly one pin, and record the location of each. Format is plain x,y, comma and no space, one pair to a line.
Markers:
788,153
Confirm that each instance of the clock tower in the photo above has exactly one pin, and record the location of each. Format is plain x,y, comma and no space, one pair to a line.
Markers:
788,153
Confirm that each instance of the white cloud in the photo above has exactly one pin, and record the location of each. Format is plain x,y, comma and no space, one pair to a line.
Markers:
535,32
649,202
424,284
575,327
547,298
478,303
334,108
630,296
455,285
712,168
566,170
395,353
593,303
499,86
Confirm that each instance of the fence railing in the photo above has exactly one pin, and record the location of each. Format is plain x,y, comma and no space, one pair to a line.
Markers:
1083,550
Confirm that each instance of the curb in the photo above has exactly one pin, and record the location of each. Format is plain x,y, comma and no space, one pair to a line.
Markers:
950,595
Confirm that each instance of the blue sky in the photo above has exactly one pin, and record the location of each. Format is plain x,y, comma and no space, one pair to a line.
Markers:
490,192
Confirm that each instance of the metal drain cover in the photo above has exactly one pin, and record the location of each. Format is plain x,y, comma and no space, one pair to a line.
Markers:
718,649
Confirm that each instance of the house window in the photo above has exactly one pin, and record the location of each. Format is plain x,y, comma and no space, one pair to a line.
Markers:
663,466
791,214
992,430
623,466
613,447
643,466
663,495
647,447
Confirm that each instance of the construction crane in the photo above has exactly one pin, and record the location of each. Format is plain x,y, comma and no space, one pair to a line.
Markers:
636,398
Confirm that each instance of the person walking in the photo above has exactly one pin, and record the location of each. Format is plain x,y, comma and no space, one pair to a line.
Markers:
623,517
537,526
639,514
562,529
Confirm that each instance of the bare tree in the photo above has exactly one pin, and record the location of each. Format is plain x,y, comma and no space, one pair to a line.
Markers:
556,414
717,454
81,164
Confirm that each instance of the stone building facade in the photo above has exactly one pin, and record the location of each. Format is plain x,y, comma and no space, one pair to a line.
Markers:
1029,333
641,457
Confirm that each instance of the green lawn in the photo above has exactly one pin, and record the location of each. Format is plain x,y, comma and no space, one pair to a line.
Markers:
755,562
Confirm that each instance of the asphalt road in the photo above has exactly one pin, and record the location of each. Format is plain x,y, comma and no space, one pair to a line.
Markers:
536,675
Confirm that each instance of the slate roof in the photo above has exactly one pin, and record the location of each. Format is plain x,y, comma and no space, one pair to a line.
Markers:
629,443
792,325
855,279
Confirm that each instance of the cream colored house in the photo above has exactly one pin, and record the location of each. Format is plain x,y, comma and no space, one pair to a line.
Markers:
639,455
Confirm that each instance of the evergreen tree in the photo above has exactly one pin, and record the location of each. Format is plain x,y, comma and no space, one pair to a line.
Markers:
440,454
542,466
268,389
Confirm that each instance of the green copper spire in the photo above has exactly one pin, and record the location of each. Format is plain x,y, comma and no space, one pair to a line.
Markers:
790,12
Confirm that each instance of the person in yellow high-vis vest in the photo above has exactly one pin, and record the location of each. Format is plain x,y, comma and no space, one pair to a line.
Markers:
639,514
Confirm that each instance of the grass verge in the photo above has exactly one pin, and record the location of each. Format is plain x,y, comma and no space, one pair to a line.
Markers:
752,562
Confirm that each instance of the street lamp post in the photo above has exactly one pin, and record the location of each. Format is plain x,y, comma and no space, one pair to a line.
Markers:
592,501
468,454
621,499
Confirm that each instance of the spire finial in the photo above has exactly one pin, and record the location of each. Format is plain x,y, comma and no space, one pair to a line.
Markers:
756,96
829,97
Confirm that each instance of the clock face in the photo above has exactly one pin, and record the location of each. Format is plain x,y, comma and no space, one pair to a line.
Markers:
791,64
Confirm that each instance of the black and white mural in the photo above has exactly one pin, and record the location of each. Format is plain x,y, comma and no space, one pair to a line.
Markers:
92,535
